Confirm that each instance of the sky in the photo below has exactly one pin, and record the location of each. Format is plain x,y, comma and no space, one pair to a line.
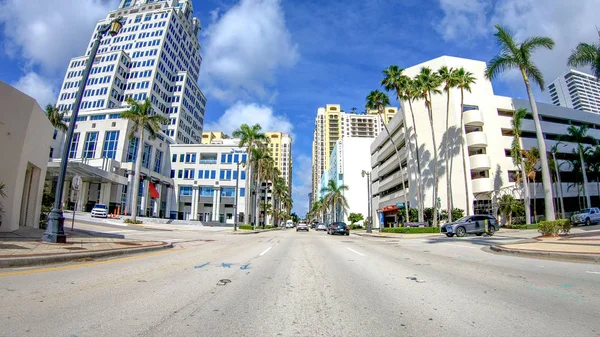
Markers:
274,62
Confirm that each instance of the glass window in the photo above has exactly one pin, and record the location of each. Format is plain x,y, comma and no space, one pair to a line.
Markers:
229,158
174,159
158,161
111,139
223,158
182,158
172,173
244,156
73,148
180,174
185,190
222,175
242,192
213,174
236,158
207,191
132,150
89,147
235,175
243,175
146,155
228,192
470,107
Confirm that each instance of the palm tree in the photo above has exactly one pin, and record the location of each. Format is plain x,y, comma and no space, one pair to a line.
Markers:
449,79
532,158
261,161
464,79
578,135
334,196
554,164
515,55
378,100
141,114
586,55
593,162
56,118
427,83
280,192
576,170
516,152
403,86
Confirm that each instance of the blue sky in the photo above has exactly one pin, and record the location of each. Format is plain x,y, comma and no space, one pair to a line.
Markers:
275,62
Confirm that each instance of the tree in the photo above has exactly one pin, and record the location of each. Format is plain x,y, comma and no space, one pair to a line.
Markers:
261,163
294,217
593,163
378,100
516,152
2,195
280,193
464,79
576,170
532,158
509,207
578,135
334,196
141,114
586,55
427,83
556,167
449,80
56,118
403,86
515,55
355,217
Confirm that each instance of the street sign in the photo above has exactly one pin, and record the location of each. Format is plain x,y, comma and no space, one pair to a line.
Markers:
76,183
400,205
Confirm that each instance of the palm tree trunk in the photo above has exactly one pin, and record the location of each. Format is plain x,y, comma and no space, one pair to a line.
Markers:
558,187
464,154
585,179
548,205
447,153
256,199
435,164
418,175
265,208
526,195
534,201
136,179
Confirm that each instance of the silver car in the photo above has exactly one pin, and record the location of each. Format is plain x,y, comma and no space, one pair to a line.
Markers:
472,224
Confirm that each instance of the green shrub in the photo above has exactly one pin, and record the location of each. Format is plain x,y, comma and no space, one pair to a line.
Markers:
245,227
523,226
564,225
356,227
130,221
551,228
412,230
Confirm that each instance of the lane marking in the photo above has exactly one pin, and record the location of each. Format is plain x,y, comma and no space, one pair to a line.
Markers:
361,254
593,272
266,250
45,270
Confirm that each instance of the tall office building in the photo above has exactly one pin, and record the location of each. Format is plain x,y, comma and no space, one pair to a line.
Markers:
156,55
576,90
332,124
280,146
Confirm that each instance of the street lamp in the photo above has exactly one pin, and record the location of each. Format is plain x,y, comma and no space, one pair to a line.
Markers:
237,182
370,223
55,232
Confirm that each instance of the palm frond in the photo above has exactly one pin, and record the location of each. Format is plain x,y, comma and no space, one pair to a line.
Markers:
535,75
500,64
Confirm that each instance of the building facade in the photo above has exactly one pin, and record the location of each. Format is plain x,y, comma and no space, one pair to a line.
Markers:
487,142
577,90
280,146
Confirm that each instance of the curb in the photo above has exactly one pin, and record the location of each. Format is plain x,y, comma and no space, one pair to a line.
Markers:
49,259
548,255
398,236
246,231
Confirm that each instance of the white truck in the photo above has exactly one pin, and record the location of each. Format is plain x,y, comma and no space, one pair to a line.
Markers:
587,216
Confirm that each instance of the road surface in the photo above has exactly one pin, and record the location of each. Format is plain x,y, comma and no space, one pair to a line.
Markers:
283,283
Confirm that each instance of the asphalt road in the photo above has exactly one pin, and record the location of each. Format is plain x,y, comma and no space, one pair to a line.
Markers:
284,283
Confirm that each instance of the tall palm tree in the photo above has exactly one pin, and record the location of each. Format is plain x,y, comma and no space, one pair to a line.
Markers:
593,162
578,135
260,162
554,164
427,83
532,159
516,152
378,100
334,196
586,55
515,55
449,80
403,86
576,170
140,113
56,118
280,192
464,79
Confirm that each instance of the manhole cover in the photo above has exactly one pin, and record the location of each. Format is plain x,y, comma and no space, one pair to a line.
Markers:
129,243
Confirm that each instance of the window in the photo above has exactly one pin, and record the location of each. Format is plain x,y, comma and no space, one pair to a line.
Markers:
132,150
190,158
185,190
180,174
229,158
158,161
470,107
188,174
172,173
243,175
235,175
207,191
242,192
97,117
225,175
111,139
51,152
213,174
244,156
223,158
228,192
174,159
236,158
73,148
181,158
89,147
55,134
146,155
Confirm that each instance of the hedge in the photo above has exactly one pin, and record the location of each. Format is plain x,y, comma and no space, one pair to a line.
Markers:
553,227
411,230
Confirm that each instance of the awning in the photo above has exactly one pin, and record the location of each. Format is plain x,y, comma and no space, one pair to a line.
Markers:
391,208
153,192
89,173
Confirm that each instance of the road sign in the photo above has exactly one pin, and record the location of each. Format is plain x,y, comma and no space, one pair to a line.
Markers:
400,205
76,183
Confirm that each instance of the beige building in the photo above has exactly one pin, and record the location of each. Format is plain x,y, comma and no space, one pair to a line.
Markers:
209,136
332,124
280,145
25,140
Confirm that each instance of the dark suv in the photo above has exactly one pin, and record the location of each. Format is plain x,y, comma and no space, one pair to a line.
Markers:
338,228
472,224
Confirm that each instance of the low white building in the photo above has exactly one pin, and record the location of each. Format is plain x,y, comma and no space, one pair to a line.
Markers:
25,139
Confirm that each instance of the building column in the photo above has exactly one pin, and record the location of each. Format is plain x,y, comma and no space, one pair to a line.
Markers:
65,193
128,206
105,189
157,202
168,208
82,196
215,211
217,204
194,210
144,199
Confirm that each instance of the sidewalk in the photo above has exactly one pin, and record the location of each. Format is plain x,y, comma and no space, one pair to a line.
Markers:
580,246
24,247
376,234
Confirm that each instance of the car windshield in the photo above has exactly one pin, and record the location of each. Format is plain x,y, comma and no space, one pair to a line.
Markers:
100,206
587,210
463,219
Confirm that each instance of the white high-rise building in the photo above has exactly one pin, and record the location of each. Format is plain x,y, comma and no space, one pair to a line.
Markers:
576,90
156,55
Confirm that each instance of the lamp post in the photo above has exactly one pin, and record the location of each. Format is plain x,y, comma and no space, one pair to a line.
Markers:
55,232
369,217
237,182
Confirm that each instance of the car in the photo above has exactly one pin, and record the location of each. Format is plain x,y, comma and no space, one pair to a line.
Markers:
289,224
587,216
100,211
472,224
321,227
302,227
338,228
313,225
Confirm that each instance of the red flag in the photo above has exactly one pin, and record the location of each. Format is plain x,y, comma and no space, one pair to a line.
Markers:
153,192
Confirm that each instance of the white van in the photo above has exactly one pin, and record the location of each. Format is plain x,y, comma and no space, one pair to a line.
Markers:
289,224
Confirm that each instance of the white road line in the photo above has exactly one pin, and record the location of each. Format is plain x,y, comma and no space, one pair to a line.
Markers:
452,244
593,272
266,250
361,254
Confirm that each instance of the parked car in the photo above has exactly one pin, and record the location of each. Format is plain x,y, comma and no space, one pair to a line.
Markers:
321,227
472,224
100,211
302,227
338,228
587,216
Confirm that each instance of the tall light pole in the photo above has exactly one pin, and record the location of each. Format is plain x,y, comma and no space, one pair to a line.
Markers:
237,182
370,223
55,232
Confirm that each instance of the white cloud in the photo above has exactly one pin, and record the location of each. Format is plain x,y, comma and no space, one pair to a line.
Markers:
243,113
245,47
302,184
49,33
37,87
463,19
